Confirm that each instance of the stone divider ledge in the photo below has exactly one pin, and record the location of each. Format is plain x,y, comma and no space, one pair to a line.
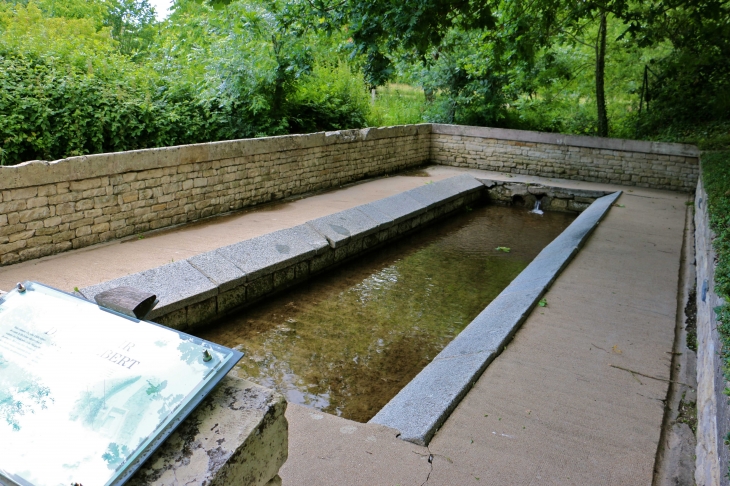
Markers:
210,285
713,410
420,408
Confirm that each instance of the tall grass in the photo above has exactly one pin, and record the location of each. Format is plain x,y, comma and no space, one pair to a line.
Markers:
396,104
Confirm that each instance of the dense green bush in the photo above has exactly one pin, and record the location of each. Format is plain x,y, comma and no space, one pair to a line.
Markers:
71,86
48,112
330,97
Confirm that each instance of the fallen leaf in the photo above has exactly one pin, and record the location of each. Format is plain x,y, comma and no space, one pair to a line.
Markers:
503,248
616,350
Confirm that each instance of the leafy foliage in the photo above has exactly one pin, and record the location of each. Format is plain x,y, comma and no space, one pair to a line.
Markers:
83,76
716,180
86,77
329,97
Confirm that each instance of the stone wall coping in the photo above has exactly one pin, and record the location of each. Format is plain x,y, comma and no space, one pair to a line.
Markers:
425,403
37,172
661,148
40,172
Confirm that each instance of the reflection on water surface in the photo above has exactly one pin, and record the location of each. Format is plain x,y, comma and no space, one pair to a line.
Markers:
349,340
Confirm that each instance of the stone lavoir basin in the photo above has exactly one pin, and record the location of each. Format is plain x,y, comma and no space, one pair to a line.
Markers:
349,340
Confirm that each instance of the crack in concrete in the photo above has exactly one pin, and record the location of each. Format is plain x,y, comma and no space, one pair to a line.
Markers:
430,462
633,372
431,456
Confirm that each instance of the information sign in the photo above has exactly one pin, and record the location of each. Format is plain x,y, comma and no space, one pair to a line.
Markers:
87,394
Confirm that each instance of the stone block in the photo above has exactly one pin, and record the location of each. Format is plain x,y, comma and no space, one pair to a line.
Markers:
301,270
202,312
420,408
322,261
177,285
35,214
221,271
340,227
284,277
177,320
237,435
37,202
12,247
267,253
398,207
259,287
382,219
577,206
231,299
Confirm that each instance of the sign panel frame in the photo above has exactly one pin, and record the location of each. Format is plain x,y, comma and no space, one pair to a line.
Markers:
219,360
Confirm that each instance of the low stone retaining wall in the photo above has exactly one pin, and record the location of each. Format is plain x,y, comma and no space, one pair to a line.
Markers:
552,198
713,411
51,207
211,285
627,162
47,208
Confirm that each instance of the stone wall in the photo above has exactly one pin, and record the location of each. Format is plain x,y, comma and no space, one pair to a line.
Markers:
47,208
51,207
626,162
713,410
552,198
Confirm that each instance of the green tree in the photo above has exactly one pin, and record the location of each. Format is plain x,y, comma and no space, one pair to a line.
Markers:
131,23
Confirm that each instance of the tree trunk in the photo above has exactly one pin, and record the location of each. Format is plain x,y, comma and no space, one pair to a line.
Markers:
600,75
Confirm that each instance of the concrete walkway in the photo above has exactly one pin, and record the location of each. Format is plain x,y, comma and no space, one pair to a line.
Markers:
576,398
96,264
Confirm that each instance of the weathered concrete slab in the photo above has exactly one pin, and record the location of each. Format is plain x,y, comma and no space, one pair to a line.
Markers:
431,396
274,251
398,207
440,192
384,221
422,406
340,227
221,271
329,450
238,435
464,184
177,285
564,403
489,330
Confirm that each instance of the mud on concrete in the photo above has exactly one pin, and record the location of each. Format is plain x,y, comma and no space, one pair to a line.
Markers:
675,464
